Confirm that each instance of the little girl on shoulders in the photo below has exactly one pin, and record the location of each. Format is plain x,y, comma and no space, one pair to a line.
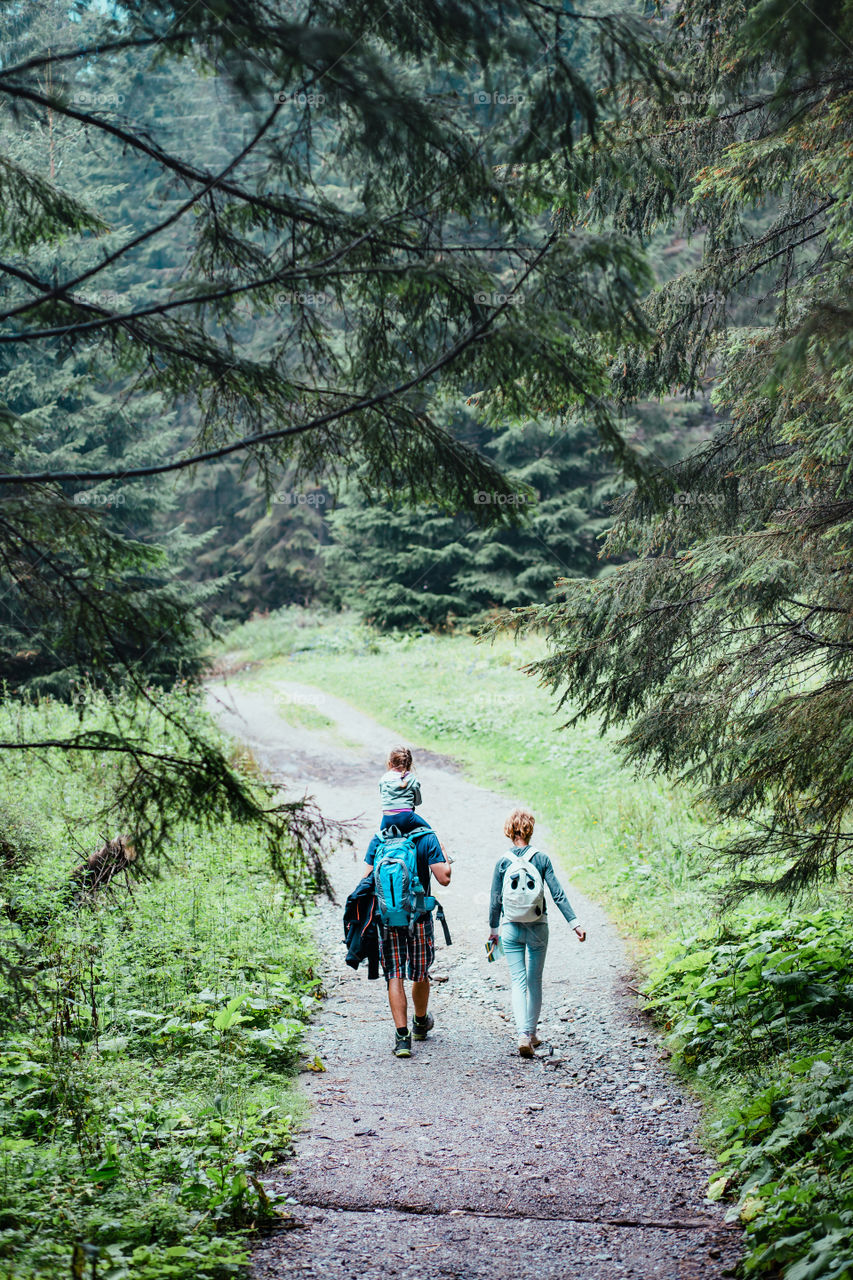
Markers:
400,793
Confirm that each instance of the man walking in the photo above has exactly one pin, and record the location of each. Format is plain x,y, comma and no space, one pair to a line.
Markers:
409,950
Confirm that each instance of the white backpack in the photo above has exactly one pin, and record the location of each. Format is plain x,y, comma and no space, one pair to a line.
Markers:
523,895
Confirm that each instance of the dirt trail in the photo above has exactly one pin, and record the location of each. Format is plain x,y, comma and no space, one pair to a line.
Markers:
466,1161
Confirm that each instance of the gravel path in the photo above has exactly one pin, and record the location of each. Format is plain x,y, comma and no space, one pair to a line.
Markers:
466,1161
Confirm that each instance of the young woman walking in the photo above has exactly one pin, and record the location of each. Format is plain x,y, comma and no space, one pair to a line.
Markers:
518,895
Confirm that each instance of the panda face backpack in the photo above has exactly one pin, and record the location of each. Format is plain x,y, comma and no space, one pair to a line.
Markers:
523,894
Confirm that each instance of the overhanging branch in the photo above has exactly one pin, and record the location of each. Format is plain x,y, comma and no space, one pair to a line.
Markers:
265,437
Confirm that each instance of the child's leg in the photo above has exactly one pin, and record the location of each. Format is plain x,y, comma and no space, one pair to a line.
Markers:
407,822
415,820
403,821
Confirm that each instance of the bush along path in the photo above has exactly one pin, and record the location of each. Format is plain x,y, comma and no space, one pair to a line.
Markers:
147,1060
466,1160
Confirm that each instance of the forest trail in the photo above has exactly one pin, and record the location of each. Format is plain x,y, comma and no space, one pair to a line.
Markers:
466,1161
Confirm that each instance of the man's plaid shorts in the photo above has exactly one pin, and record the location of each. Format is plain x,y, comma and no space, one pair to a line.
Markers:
398,946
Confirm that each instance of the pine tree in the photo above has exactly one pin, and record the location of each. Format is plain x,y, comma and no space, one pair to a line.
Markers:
725,649
268,548
131,615
395,565
571,484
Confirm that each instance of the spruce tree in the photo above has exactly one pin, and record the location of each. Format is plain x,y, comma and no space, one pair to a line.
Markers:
423,567
269,548
63,631
396,565
725,648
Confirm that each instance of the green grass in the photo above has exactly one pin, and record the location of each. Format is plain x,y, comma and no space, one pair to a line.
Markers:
151,1075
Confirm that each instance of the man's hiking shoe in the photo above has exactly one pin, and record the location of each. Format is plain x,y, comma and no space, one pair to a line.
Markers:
525,1048
402,1044
422,1026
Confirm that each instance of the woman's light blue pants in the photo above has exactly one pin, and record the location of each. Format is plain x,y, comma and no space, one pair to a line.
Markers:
524,947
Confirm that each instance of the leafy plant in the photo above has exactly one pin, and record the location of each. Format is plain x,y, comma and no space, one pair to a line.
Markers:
763,1014
148,1085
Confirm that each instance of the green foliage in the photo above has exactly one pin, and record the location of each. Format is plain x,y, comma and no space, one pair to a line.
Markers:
150,1081
724,648
402,567
268,549
364,236
286,246
62,630
161,763
93,576
765,983
762,1013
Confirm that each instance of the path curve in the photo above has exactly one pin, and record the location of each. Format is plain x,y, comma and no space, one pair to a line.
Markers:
466,1161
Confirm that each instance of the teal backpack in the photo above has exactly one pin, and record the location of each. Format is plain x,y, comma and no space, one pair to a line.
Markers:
400,895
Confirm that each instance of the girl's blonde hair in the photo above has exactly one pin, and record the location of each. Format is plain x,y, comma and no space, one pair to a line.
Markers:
520,823
399,758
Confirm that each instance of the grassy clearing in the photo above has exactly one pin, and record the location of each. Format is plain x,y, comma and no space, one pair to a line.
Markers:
757,1007
151,1076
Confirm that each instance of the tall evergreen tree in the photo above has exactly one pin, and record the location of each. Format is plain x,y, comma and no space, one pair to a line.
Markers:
396,565
268,547
130,600
571,484
726,647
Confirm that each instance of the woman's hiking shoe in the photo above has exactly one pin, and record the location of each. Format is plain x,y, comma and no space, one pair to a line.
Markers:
402,1044
525,1048
422,1026
535,1041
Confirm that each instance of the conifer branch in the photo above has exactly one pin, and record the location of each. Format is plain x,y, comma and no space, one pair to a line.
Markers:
366,403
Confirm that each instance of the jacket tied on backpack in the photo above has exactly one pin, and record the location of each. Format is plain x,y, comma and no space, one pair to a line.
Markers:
361,934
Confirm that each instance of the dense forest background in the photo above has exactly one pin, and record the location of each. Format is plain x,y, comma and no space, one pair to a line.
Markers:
300,540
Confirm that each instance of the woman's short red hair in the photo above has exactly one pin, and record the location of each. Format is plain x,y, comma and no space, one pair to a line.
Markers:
520,824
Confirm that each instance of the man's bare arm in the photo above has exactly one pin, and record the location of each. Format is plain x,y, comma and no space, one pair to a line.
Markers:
441,871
